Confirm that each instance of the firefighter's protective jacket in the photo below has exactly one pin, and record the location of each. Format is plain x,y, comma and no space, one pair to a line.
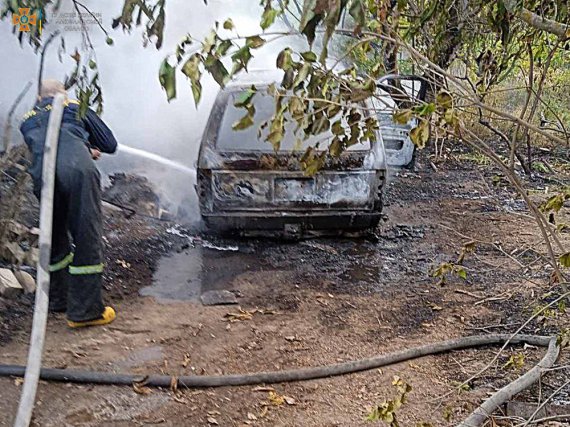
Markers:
76,270
76,134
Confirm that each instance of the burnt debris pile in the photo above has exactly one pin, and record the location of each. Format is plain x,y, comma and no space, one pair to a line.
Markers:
135,193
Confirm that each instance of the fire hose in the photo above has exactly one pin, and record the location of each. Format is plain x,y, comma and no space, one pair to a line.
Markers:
476,419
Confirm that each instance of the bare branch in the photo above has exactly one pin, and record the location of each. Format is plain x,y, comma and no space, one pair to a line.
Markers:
8,124
42,57
540,23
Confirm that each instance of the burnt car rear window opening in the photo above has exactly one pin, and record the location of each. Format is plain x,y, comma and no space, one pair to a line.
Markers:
247,140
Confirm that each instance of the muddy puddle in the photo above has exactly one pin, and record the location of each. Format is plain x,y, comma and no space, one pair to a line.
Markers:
343,266
186,275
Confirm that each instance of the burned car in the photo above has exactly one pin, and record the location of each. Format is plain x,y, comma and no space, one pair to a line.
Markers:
246,187
398,91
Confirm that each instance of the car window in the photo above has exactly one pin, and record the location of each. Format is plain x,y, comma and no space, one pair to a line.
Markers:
247,139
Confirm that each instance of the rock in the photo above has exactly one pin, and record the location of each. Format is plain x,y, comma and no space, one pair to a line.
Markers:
9,285
34,236
32,257
12,253
218,298
16,229
26,280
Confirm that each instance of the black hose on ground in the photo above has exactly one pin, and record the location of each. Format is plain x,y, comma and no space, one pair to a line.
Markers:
303,374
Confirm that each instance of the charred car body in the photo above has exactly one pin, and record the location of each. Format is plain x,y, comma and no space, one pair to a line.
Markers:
247,188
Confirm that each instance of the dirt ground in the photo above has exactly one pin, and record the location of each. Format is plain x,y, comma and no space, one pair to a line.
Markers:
320,301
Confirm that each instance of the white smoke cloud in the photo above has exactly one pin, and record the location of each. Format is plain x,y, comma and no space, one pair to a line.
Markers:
135,105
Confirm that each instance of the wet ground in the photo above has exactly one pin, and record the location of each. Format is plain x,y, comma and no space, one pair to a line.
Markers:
305,303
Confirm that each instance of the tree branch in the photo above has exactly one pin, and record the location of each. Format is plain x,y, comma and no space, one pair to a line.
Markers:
536,21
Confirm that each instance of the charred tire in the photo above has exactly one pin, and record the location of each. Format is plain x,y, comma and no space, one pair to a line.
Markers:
411,166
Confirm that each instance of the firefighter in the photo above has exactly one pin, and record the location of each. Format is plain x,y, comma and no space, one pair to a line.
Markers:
76,270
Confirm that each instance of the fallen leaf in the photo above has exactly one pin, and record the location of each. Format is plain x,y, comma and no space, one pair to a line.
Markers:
251,416
141,389
140,386
434,306
239,316
289,400
18,382
178,399
186,360
276,399
213,421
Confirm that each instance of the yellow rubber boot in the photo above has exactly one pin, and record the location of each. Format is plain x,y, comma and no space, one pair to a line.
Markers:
107,317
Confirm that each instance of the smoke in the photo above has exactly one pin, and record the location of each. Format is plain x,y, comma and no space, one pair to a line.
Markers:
135,105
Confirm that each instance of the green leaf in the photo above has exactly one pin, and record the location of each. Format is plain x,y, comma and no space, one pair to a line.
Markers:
302,74
284,59
450,117
196,91
402,117
309,56
241,59
296,107
444,100
209,42
312,162
276,131
310,19
554,203
109,41
565,259
217,70
92,64
167,78
334,12
254,42
268,16
228,24
336,147
244,98
157,28
462,273
191,69
287,81
246,121
275,138
425,109
420,134
223,47
337,128
320,125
